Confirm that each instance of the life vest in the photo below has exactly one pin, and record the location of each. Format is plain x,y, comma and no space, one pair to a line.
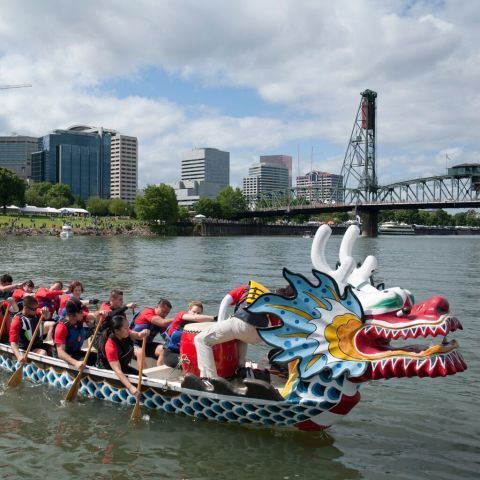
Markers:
253,291
173,336
28,325
4,295
75,337
125,352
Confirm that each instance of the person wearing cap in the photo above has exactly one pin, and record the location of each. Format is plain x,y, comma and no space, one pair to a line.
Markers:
69,335
155,320
22,327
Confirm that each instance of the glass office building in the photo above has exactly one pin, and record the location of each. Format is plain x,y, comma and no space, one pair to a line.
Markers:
16,152
79,157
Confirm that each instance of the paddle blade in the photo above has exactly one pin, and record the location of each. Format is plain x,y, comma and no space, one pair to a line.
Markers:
16,378
72,393
136,413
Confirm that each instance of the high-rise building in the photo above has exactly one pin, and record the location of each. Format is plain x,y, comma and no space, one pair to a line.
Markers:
264,178
205,172
124,167
319,186
79,157
16,154
285,160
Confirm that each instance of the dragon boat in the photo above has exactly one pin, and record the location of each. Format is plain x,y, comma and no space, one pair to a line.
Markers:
335,334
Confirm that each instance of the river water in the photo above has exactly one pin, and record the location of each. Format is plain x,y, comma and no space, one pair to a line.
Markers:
402,428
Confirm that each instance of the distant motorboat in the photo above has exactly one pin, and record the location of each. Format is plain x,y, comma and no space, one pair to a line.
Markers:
396,228
67,232
307,235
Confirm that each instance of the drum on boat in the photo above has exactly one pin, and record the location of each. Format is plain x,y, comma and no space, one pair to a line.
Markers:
225,354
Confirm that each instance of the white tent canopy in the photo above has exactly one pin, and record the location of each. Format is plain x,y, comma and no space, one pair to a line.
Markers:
33,209
81,211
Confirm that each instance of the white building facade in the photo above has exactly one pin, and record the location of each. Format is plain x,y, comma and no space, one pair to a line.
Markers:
205,172
264,178
317,186
124,167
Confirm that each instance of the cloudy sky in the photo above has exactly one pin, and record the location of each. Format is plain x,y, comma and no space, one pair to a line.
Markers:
250,77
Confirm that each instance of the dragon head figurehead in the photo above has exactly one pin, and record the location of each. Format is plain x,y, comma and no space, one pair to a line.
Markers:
340,331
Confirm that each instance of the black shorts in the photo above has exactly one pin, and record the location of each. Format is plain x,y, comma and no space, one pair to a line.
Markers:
150,349
130,370
170,358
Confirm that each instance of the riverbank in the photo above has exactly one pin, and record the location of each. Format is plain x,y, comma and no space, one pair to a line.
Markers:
20,225
123,226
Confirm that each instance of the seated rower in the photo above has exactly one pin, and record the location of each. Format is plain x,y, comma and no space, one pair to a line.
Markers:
26,289
22,327
241,326
156,321
69,335
75,290
116,350
112,308
174,333
7,286
12,307
50,297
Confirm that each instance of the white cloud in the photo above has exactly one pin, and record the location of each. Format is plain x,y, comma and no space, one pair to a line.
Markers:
310,59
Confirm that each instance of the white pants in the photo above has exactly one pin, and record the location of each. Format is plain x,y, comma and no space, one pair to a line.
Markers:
230,329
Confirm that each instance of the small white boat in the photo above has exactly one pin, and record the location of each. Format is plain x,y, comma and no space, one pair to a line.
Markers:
307,234
67,232
396,228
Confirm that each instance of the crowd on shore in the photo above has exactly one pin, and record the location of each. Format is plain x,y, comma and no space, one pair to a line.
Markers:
24,226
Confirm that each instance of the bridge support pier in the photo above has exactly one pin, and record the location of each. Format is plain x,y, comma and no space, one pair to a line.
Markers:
369,220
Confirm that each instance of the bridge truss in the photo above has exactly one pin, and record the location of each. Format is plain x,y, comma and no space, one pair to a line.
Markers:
448,191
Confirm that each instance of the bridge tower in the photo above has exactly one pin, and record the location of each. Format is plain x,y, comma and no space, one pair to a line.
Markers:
359,164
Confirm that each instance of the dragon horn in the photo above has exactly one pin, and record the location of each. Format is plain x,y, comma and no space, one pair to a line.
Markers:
361,275
320,263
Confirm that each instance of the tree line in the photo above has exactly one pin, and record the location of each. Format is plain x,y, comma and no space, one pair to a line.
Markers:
439,217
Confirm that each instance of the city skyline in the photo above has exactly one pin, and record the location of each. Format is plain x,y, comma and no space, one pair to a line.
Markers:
273,78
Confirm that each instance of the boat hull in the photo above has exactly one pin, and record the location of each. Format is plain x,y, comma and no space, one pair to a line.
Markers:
171,397
394,228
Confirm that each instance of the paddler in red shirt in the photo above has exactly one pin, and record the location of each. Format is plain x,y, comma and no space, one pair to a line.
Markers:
75,290
49,298
156,321
22,328
12,308
26,289
109,309
117,349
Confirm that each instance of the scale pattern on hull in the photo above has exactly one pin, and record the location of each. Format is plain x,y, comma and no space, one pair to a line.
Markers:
223,409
